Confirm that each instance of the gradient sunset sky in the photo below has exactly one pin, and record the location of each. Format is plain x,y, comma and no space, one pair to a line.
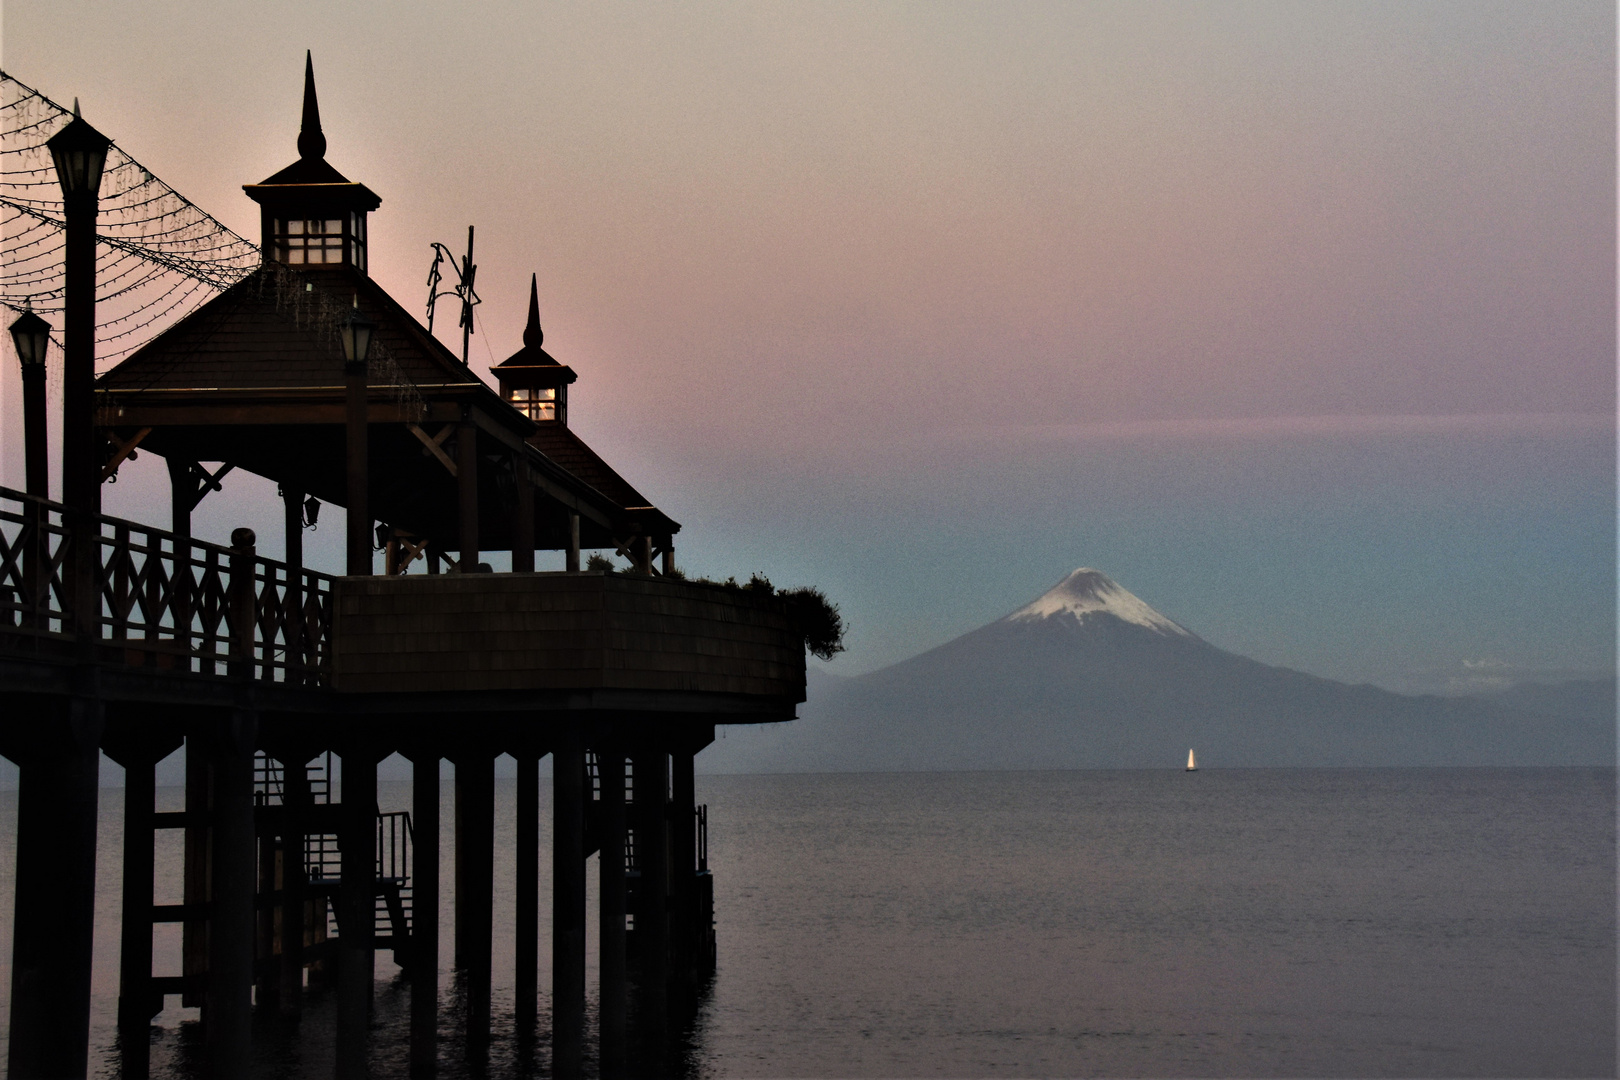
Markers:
1296,319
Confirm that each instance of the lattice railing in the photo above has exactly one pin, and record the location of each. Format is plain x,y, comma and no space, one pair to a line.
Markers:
157,600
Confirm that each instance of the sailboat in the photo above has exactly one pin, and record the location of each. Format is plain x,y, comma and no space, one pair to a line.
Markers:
1192,762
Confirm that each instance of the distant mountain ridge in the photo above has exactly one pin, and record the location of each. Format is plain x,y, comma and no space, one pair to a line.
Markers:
1090,676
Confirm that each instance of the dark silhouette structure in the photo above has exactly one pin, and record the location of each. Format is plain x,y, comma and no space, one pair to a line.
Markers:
130,639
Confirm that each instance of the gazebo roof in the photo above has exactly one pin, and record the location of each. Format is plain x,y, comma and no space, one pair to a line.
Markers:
255,377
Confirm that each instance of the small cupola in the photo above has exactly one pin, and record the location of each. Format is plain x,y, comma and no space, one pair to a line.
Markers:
309,213
534,383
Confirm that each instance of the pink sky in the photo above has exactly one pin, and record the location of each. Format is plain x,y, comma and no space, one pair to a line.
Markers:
844,234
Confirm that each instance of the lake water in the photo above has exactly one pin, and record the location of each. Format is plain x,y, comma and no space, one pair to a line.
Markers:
1425,922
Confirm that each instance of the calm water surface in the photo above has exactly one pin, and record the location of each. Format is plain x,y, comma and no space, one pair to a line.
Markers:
1424,922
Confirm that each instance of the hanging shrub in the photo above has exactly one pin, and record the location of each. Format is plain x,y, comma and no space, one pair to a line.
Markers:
815,619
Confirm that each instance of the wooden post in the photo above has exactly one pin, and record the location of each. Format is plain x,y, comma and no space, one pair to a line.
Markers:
669,558
36,456
356,444
295,799
293,604
572,564
652,895
612,911
182,492
357,840
523,527
54,912
568,912
475,885
467,489
526,932
229,993
244,605
425,912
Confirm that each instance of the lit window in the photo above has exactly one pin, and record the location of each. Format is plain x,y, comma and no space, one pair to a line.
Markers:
305,242
535,404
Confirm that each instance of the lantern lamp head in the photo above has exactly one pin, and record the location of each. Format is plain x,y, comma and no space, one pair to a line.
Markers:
32,336
356,334
312,511
80,153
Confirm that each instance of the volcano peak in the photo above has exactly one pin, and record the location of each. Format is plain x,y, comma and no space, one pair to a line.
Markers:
1086,593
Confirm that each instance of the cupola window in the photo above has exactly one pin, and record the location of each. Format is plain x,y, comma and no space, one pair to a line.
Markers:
327,241
535,402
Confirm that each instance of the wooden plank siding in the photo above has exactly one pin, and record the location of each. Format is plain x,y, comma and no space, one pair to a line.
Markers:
555,631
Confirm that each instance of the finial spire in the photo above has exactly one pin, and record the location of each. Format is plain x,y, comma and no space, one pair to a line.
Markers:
532,335
311,142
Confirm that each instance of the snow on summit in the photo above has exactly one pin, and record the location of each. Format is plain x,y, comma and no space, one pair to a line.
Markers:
1087,592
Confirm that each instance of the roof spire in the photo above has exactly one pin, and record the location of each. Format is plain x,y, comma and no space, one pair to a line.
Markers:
311,142
75,108
532,335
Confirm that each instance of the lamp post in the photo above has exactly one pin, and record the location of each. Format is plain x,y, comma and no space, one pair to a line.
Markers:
80,152
32,336
356,336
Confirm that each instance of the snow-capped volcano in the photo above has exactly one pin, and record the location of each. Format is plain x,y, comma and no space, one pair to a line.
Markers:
1087,592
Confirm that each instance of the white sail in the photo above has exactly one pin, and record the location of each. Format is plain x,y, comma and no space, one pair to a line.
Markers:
1192,762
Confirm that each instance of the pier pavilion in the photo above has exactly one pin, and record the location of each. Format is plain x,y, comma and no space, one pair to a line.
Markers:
133,639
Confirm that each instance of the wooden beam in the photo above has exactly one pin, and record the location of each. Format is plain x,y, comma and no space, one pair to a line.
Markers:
123,451
435,443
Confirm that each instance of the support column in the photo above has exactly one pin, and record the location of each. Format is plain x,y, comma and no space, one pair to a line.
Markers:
81,465
683,867
194,930
296,801
229,994
572,564
425,913
652,896
136,1002
357,840
526,932
357,472
612,911
568,912
467,490
523,526
475,885
54,914
267,964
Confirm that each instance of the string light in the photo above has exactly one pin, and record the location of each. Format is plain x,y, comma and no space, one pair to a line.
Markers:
158,255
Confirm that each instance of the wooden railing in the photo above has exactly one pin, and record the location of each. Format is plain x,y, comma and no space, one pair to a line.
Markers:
143,597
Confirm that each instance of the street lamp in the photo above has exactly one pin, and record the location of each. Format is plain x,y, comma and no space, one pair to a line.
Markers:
356,334
80,152
32,336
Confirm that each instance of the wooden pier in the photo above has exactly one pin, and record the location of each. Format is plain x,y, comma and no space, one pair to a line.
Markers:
128,639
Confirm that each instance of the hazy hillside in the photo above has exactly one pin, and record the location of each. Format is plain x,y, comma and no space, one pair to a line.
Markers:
1089,676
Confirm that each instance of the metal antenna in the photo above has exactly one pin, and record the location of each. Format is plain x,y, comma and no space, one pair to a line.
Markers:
466,273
